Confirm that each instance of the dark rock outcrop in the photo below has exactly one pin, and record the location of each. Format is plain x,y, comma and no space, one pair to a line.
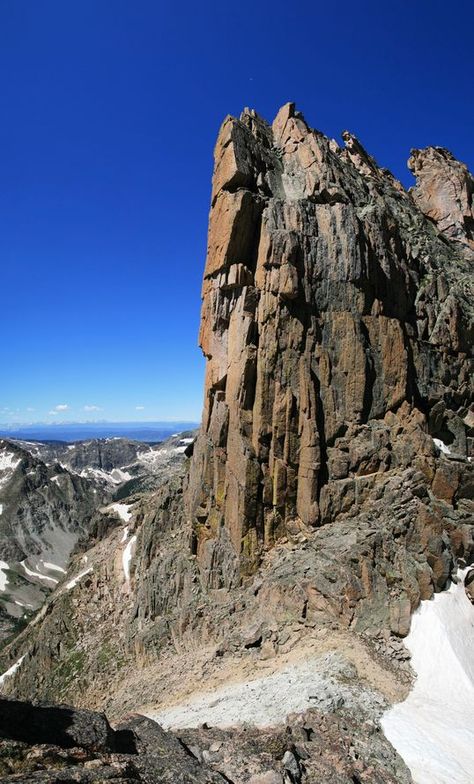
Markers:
51,744
58,725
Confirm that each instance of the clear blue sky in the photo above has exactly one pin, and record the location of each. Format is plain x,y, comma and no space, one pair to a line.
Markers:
109,114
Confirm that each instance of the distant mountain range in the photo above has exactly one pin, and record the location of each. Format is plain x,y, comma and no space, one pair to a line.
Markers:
76,431
55,496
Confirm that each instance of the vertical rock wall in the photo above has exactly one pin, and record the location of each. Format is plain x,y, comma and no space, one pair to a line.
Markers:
329,300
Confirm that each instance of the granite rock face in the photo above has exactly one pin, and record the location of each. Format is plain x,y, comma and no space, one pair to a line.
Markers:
444,192
331,304
331,486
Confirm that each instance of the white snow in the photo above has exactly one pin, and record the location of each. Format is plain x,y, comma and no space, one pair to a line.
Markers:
72,583
124,535
21,604
119,475
153,456
3,576
8,461
116,477
55,479
40,615
433,729
186,440
444,448
31,573
1,509
35,444
54,567
127,557
11,671
122,510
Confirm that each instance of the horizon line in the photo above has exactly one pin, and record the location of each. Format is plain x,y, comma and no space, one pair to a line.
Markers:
70,423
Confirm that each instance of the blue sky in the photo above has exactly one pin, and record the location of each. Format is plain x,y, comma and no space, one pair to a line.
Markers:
109,114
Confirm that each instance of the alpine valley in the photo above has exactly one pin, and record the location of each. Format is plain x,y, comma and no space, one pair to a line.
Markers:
286,595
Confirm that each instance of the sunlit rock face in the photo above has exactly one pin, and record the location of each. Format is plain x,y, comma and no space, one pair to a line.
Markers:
330,304
444,191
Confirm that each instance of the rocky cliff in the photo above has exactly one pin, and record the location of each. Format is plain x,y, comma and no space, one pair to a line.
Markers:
330,489
334,305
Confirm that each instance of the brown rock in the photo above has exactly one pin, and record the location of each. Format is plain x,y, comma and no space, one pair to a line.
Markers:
444,192
322,311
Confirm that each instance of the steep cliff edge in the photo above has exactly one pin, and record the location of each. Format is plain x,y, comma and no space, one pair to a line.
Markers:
330,489
332,308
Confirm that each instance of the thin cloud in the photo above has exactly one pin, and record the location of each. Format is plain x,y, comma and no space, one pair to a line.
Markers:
139,408
92,408
58,409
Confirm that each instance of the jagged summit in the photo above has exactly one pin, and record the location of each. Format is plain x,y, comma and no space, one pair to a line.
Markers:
329,302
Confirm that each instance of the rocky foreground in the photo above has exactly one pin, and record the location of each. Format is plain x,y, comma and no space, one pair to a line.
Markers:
331,487
49,744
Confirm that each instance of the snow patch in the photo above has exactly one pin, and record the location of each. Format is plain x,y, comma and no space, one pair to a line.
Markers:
11,671
124,535
153,456
433,729
122,510
444,448
1,509
118,475
8,461
54,567
31,573
127,557
72,583
3,576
